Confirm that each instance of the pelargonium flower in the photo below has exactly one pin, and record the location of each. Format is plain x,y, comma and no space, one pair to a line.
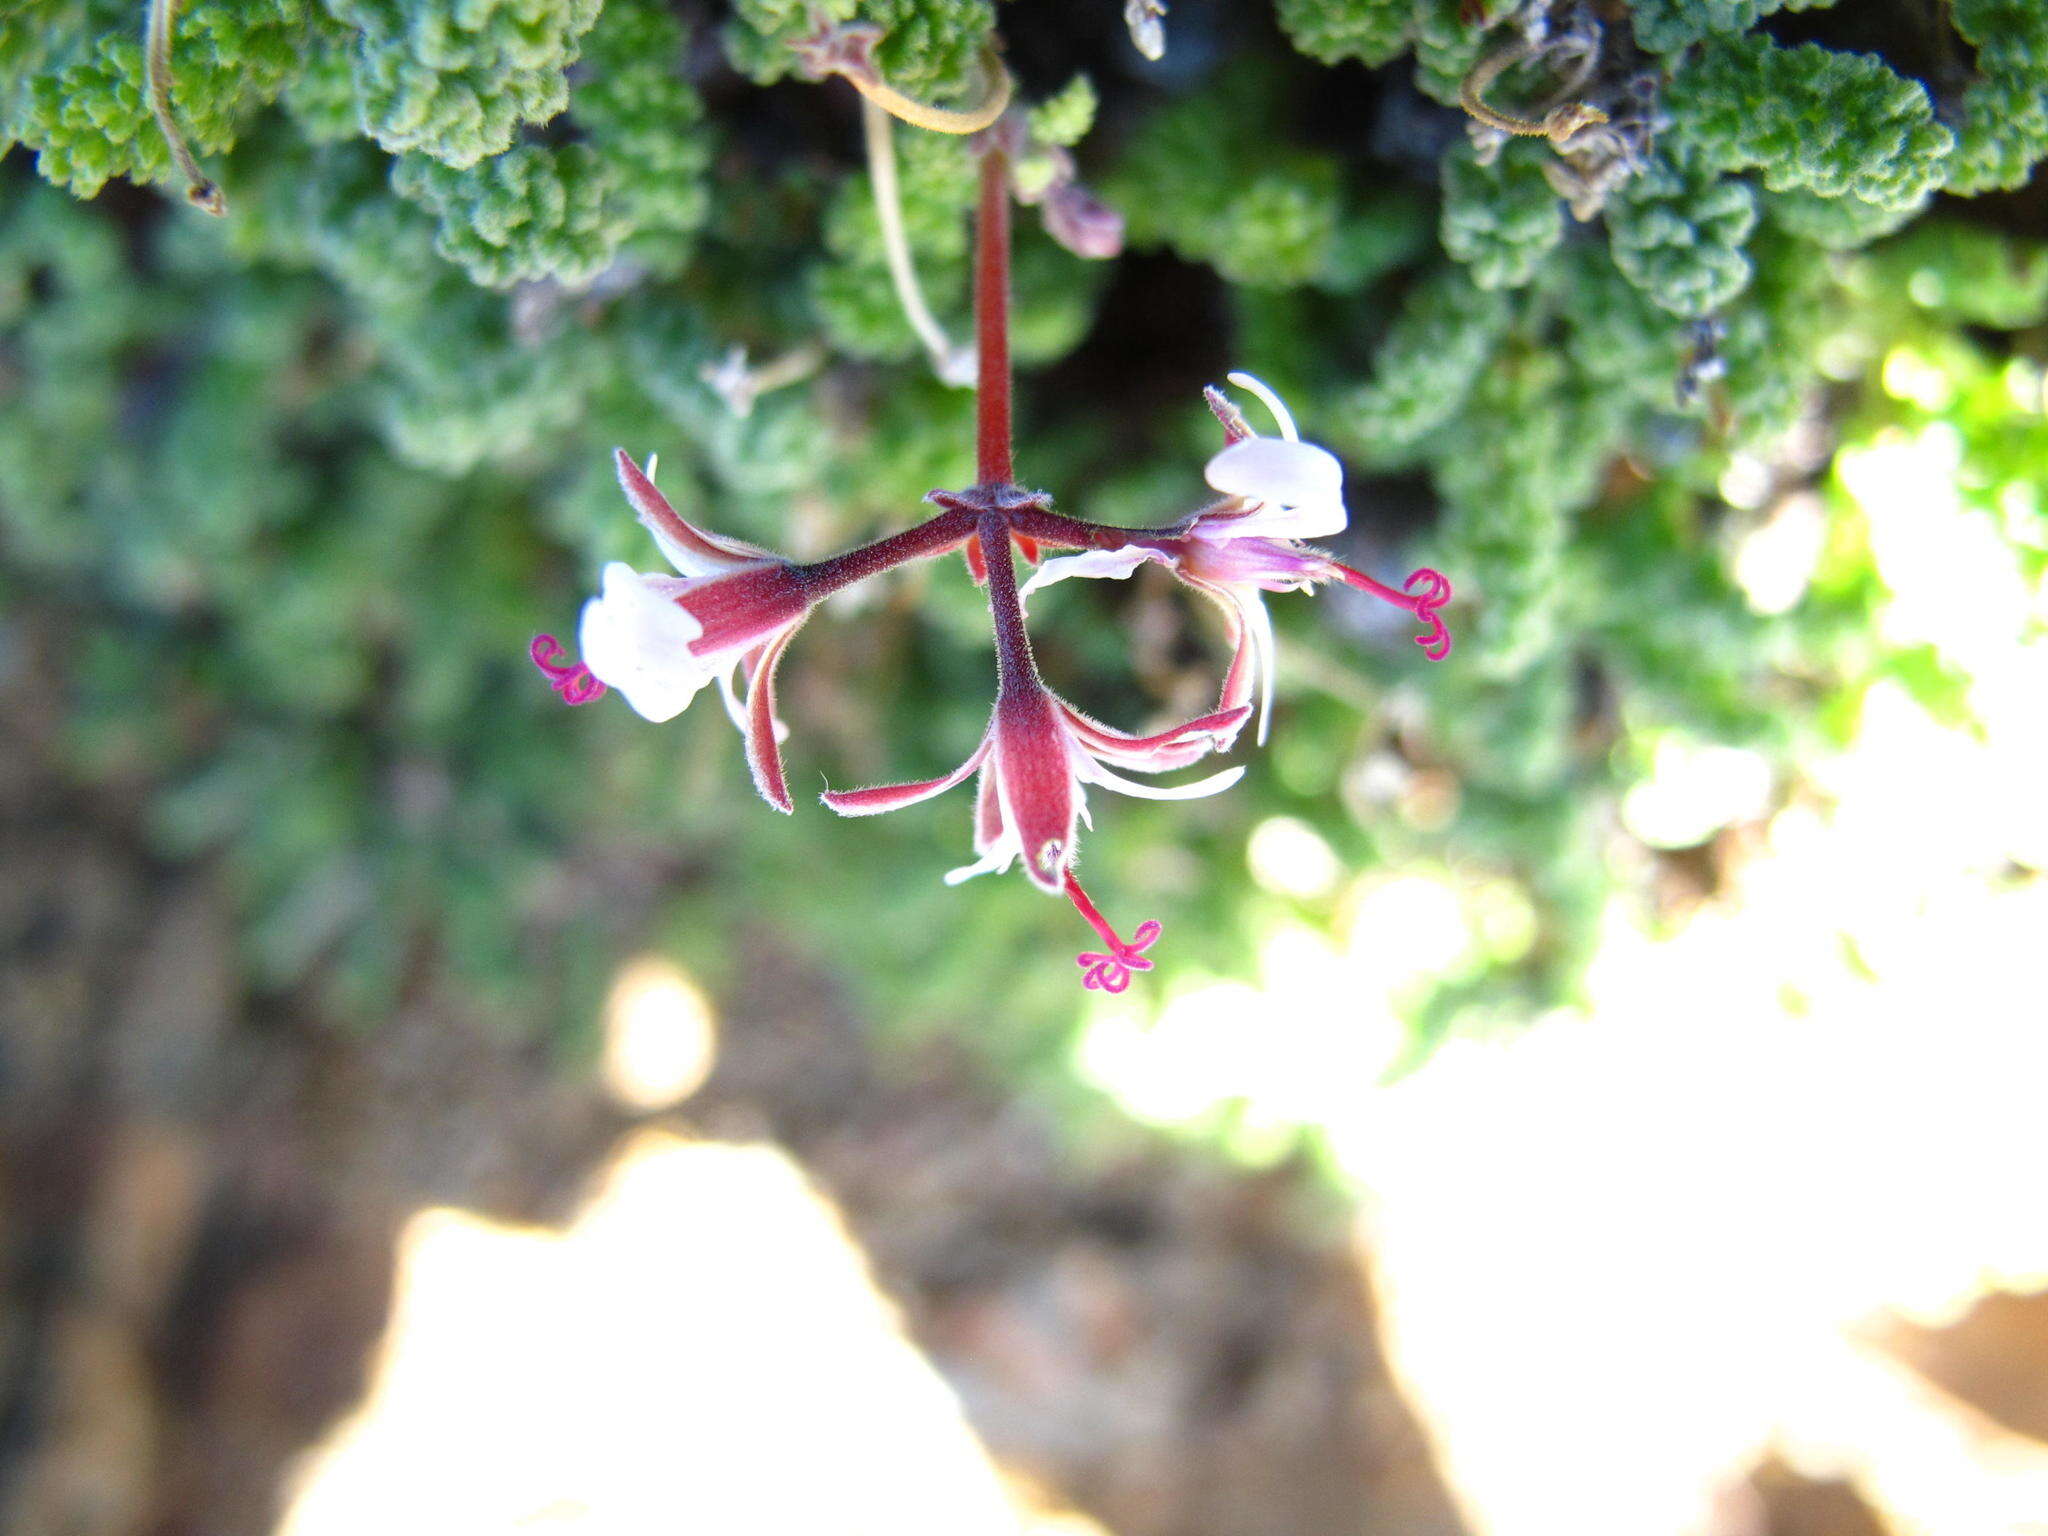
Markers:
659,639
1035,760
1277,491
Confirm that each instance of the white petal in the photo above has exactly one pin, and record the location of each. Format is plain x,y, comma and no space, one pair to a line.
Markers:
1305,480
636,639
684,559
1266,393
1000,856
1215,784
1117,563
735,711
1269,520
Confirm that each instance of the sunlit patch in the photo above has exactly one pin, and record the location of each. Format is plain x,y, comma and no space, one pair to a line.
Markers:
1746,482
660,1035
1694,790
702,1349
1290,858
1623,1255
1774,563
1620,1256
2026,386
1407,929
1953,581
1501,918
1255,1066
1918,380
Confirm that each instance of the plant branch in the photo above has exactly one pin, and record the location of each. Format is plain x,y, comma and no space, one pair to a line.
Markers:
954,365
934,536
992,98
992,321
1014,667
200,190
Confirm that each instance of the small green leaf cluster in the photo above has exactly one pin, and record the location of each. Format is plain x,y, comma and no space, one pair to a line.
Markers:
648,125
1260,218
1065,117
1446,40
1331,31
1501,218
762,36
2003,131
562,212
1838,223
1677,233
1666,26
929,48
851,289
457,81
1808,119
1432,356
1447,44
531,213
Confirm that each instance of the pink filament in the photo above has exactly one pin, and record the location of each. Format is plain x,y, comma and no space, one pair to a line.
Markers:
1110,972
1436,640
573,682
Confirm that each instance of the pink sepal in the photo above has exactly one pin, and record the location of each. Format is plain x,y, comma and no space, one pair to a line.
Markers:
1041,801
893,797
1172,748
669,528
764,756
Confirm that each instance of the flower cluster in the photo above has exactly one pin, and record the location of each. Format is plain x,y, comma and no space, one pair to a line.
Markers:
731,610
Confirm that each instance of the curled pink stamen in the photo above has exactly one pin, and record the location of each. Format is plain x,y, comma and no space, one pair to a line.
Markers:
572,681
1110,972
1436,640
1439,591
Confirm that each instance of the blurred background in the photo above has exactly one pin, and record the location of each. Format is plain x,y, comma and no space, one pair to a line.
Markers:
1590,1085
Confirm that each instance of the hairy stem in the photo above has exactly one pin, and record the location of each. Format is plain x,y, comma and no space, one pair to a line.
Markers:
1557,125
934,536
954,365
992,322
1059,531
1014,667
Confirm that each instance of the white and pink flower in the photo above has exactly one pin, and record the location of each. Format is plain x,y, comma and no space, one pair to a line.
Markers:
732,609
1277,491
1035,762
659,639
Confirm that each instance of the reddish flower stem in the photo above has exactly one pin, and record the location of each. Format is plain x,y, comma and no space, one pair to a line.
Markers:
992,322
934,536
1091,914
1063,532
1015,669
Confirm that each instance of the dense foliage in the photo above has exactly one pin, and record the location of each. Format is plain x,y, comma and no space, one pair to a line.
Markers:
292,489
